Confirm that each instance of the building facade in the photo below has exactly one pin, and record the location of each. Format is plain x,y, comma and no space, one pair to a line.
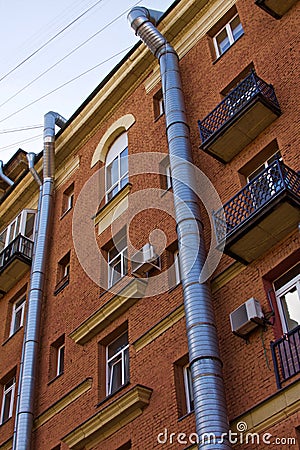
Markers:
113,369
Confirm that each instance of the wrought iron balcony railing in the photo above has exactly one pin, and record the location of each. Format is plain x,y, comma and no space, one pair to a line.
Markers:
21,247
234,102
254,197
286,356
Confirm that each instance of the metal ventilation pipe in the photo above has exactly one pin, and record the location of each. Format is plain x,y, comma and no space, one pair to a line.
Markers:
24,415
4,177
205,362
31,160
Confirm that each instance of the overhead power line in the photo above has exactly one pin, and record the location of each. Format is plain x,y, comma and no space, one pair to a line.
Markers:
50,40
25,128
65,84
33,138
67,55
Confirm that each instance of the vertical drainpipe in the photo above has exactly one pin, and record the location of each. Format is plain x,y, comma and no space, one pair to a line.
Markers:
205,362
3,176
25,404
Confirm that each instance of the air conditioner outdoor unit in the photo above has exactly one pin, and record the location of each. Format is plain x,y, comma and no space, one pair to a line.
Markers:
246,317
145,260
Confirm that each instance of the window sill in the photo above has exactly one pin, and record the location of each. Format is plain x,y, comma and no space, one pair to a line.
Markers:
226,51
5,421
156,119
61,285
108,397
54,379
106,213
186,415
170,189
12,335
65,213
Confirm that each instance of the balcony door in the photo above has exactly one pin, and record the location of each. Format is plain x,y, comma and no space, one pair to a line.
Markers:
23,224
265,181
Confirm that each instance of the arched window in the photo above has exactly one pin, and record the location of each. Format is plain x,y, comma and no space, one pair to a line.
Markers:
116,166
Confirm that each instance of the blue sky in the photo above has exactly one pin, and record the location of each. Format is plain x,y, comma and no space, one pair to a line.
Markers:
26,26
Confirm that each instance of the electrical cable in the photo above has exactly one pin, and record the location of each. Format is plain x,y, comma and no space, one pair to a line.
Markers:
49,40
67,55
25,128
2,149
65,84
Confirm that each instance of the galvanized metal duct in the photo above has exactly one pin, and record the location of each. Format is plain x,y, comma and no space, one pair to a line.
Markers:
205,363
24,415
3,176
31,159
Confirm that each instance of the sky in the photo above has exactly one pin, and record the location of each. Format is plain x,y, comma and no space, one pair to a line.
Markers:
26,93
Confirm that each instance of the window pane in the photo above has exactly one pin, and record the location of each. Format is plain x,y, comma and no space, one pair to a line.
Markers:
60,360
2,239
290,302
6,407
18,320
236,28
124,162
112,174
12,231
117,345
29,225
223,41
115,377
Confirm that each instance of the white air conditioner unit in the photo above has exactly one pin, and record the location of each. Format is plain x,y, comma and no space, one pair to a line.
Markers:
144,260
246,317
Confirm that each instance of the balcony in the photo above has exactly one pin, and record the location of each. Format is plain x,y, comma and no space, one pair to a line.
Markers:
276,8
15,261
240,117
286,356
260,215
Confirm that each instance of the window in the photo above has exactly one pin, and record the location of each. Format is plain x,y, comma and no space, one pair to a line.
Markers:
183,386
287,290
177,267
68,199
188,388
265,185
225,37
264,165
116,174
64,268
57,358
17,315
60,360
117,259
158,105
168,176
8,400
23,224
117,363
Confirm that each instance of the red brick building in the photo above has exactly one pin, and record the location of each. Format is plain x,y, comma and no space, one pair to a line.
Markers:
112,370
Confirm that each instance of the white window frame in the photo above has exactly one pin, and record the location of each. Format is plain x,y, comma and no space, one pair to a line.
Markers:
264,165
161,106
177,267
120,355
6,391
16,227
70,201
114,154
120,257
19,305
60,360
229,33
295,282
188,389
168,176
